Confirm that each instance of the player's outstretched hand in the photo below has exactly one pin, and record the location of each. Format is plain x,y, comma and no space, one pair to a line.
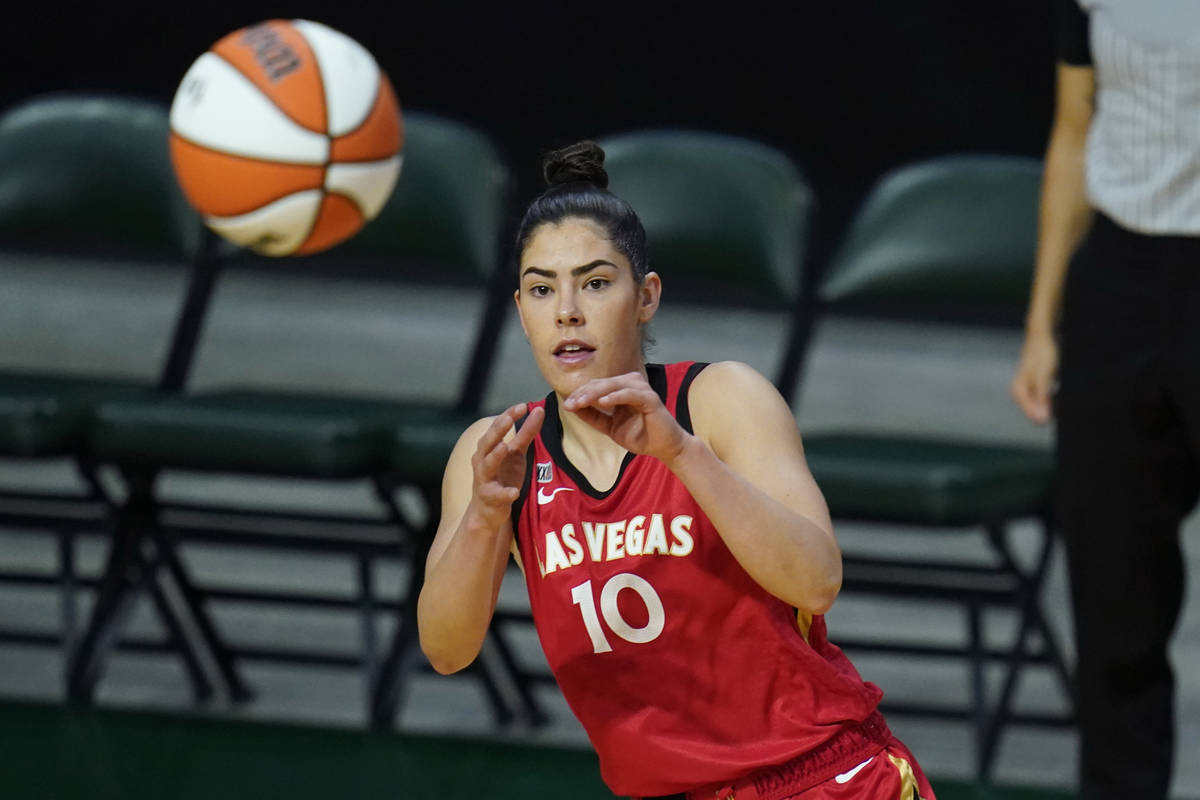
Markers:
499,465
629,411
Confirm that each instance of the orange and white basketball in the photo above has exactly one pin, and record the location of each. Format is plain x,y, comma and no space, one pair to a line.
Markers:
286,136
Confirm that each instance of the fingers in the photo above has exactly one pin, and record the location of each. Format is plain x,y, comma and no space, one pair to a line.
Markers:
499,429
1033,384
520,442
608,393
597,419
493,493
625,397
1033,398
491,450
1038,407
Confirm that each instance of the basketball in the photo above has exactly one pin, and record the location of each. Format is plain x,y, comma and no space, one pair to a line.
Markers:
286,136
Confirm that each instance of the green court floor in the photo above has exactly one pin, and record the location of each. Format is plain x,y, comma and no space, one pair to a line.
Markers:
54,753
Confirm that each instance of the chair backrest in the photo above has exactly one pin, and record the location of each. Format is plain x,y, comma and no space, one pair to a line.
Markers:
90,175
727,219
92,227
443,221
920,306
947,238
443,227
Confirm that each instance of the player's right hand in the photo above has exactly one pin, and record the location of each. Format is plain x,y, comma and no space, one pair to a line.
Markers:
1032,386
498,465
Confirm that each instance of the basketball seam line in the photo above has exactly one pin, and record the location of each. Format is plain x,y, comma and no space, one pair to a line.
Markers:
211,149
361,125
324,99
273,198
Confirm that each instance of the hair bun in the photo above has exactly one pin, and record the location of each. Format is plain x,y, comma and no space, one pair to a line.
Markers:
580,162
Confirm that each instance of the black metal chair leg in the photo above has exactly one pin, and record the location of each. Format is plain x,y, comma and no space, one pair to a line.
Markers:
1049,639
366,610
531,706
114,597
391,677
202,689
990,736
67,589
1058,660
1032,607
501,712
220,652
978,663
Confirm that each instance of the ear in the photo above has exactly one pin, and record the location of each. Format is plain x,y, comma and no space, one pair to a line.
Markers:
517,300
649,293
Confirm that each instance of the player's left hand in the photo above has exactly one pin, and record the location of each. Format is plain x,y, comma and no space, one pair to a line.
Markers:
631,413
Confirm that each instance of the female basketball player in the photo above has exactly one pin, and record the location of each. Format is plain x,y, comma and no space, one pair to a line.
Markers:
677,553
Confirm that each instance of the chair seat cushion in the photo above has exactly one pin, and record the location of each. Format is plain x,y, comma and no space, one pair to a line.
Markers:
421,442
249,431
907,479
43,415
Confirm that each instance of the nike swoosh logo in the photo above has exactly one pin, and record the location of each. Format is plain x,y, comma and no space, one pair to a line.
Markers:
544,498
846,776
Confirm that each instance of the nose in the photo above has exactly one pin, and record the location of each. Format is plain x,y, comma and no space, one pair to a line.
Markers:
568,310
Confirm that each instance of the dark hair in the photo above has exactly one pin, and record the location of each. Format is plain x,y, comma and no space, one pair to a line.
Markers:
578,187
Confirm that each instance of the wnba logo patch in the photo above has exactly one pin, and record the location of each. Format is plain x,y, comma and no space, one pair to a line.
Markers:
545,472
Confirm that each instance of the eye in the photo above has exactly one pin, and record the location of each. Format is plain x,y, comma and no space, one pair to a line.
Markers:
539,290
597,283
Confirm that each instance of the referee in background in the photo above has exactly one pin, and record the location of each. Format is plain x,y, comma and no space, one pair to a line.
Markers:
1117,294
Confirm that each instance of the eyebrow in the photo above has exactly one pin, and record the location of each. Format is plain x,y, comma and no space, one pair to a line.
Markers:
575,272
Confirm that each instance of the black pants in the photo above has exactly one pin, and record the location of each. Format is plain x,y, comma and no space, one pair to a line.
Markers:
1128,409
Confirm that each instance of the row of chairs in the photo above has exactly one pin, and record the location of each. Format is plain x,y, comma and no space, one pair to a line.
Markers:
948,240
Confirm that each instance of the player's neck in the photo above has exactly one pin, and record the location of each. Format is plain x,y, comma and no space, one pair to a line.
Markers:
591,452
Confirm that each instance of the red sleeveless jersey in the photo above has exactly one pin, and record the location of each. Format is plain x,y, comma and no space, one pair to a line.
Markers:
682,669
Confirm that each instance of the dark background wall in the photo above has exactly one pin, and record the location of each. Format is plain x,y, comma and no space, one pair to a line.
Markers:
849,88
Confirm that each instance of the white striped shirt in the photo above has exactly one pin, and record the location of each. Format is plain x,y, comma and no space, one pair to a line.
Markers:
1143,149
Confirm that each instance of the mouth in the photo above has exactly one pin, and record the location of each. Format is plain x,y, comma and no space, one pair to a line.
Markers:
573,352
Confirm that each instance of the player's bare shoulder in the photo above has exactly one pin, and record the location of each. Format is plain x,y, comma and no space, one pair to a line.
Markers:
726,388
740,414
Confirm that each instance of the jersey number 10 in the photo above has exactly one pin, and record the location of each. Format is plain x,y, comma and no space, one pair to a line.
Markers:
583,597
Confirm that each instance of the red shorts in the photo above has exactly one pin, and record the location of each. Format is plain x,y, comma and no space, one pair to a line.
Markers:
886,771
890,774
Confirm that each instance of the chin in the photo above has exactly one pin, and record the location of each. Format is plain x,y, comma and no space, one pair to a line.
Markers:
561,381
564,382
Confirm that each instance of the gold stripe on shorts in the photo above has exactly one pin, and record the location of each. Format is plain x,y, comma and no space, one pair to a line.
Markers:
908,781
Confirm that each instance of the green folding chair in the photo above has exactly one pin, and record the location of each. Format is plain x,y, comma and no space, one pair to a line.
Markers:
949,241
85,181
443,224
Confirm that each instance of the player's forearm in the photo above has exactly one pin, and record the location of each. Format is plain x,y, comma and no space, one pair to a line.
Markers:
790,555
459,595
